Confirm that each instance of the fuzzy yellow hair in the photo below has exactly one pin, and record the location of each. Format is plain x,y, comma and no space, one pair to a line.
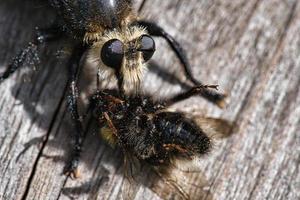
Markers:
107,134
131,75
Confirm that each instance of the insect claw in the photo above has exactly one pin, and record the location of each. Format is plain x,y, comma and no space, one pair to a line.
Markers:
212,86
72,173
203,87
72,170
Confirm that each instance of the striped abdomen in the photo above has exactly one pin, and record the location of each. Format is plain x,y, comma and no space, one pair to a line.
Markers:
181,133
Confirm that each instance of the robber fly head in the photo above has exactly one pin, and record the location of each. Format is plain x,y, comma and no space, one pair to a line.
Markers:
124,53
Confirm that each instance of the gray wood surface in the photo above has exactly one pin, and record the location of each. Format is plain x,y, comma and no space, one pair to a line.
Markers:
250,48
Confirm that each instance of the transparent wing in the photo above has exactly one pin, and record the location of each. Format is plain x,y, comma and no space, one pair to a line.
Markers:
165,182
134,177
214,127
174,183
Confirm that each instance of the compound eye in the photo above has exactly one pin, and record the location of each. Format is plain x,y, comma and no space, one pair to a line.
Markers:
112,53
147,47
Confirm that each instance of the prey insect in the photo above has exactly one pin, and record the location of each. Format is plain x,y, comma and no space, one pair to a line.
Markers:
145,129
115,38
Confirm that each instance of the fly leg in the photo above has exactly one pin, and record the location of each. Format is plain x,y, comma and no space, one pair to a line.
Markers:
72,100
29,54
155,30
191,92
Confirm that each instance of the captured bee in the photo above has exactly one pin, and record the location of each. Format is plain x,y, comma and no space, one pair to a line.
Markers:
147,130
115,39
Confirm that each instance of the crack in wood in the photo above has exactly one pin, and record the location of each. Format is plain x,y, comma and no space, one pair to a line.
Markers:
28,184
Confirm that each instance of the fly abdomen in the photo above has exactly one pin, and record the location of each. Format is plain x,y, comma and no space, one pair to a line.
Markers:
180,134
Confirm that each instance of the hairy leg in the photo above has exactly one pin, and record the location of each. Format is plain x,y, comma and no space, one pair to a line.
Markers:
29,54
191,92
72,100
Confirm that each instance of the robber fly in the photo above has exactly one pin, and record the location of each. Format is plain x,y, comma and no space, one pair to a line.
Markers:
148,130
116,39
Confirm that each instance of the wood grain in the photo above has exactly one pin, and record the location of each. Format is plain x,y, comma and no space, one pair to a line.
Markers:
250,48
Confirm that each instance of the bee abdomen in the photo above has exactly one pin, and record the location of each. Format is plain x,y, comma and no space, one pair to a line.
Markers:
181,134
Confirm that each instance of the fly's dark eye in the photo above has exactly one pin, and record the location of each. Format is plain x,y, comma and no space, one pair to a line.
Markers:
147,47
112,53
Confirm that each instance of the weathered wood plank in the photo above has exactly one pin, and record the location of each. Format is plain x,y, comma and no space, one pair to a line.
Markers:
250,48
27,108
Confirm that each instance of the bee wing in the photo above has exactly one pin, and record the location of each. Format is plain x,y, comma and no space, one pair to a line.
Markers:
214,127
168,182
130,183
174,183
